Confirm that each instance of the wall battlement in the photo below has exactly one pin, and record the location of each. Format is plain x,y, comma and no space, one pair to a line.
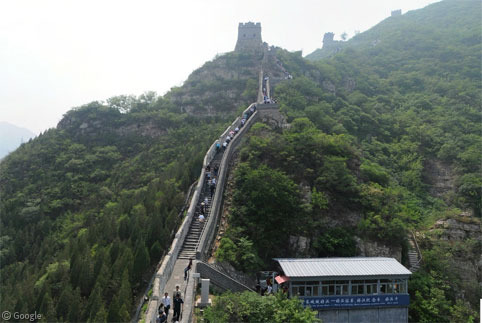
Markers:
328,37
249,37
396,13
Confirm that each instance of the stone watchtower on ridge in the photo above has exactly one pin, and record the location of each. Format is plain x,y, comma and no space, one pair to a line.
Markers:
249,37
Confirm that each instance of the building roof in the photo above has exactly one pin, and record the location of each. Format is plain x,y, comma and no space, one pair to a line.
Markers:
337,267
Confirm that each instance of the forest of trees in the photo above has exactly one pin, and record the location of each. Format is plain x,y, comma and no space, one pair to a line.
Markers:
365,127
88,209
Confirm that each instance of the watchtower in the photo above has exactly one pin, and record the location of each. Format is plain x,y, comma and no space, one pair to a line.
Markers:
249,36
328,38
396,13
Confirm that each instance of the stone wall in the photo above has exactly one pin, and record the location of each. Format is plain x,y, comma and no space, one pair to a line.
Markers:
207,236
167,263
270,114
220,279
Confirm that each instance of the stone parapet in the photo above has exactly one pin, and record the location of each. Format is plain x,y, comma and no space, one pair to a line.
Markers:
220,279
207,235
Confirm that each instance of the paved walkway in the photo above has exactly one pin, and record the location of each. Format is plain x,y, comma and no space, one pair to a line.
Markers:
176,279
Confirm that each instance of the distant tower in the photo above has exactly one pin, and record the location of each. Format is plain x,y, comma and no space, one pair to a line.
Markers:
396,12
328,39
249,37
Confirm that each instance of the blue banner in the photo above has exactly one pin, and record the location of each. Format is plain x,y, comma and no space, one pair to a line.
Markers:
356,301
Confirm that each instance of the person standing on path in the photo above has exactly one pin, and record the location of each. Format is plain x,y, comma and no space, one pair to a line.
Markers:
186,270
177,307
166,300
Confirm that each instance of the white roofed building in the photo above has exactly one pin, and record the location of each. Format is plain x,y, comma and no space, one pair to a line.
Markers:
357,289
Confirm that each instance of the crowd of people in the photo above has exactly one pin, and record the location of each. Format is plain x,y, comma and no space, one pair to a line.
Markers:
211,176
266,97
163,311
232,133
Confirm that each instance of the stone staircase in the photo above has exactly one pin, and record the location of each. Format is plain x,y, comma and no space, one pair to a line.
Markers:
414,256
188,250
413,261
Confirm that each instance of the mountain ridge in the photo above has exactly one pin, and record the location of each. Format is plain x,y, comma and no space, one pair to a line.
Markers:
11,136
88,208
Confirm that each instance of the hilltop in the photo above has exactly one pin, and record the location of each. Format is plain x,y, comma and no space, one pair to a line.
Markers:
419,32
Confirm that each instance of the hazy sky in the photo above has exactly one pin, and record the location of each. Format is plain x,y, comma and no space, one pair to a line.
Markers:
59,54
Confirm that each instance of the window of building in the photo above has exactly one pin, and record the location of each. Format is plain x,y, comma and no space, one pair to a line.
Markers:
357,287
312,288
371,287
328,288
298,288
384,286
341,287
345,287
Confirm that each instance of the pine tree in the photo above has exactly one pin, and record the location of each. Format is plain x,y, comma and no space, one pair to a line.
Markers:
125,295
124,314
86,275
64,302
114,310
141,262
47,308
75,307
101,315
93,304
155,252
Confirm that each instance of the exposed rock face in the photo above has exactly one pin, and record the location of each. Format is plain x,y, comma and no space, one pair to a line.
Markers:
457,230
219,86
92,127
376,249
440,177
147,129
329,86
273,118
462,236
349,84
299,245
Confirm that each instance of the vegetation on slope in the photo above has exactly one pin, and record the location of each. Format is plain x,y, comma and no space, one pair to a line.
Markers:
367,128
250,307
89,208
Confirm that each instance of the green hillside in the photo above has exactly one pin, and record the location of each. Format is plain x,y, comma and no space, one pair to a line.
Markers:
89,208
384,140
